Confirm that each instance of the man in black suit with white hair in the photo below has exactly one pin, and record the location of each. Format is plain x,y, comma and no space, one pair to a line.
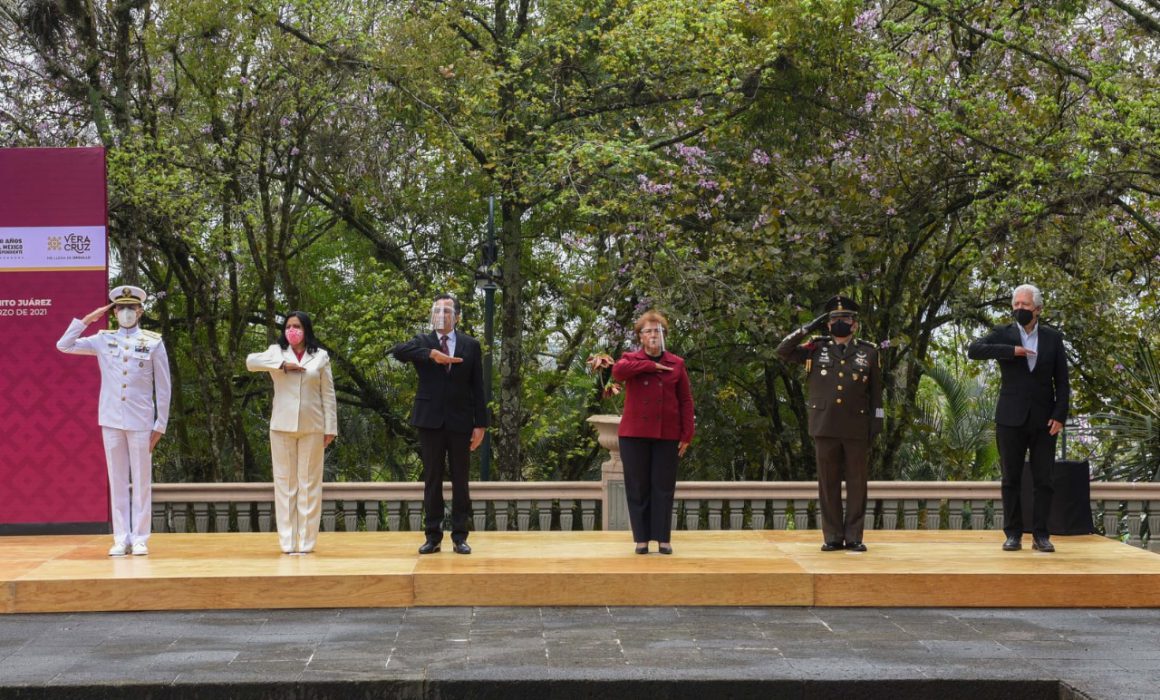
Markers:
1032,408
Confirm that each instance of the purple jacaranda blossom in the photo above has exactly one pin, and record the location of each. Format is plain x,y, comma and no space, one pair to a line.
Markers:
294,151
866,21
884,344
284,121
759,157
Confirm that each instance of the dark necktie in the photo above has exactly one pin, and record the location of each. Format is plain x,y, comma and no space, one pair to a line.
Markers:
444,349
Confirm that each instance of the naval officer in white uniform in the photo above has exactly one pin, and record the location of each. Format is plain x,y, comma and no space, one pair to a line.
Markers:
133,413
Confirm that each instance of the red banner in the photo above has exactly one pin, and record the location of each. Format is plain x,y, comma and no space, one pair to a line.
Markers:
53,267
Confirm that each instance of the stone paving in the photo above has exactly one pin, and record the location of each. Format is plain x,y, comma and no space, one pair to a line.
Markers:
1095,653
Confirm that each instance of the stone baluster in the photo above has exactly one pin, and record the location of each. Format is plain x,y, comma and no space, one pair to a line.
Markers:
523,515
910,514
934,514
350,515
479,515
588,515
736,515
955,514
415,516
889,514
221,517
180,515
394,515
329,514
201,517
502,515
265,516
566,514
159,518
692,514
544,514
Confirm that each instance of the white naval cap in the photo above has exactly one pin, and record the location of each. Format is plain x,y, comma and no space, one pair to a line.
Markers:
127,294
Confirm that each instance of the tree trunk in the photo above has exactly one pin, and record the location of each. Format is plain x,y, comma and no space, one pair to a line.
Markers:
509,451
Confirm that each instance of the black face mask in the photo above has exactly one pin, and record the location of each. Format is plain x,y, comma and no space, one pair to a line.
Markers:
841,329
1024,316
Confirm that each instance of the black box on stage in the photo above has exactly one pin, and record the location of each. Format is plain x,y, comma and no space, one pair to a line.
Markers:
1071,512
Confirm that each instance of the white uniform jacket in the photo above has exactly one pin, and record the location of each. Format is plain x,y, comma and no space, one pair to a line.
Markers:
304,402
135,383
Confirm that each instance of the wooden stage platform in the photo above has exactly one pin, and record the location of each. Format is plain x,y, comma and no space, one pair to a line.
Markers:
902,569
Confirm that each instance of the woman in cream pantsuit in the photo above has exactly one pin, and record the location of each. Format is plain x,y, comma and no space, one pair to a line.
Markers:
304,422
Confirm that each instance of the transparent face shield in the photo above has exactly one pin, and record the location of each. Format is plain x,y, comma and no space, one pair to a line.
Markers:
442,317
652,339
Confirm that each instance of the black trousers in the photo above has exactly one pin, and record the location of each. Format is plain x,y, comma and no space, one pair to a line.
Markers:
650,482
840,458
442,448
1014,445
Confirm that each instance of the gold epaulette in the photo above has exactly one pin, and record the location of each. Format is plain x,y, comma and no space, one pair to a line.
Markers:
151,335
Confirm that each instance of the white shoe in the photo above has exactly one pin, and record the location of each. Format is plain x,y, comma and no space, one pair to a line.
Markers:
139,549
118,550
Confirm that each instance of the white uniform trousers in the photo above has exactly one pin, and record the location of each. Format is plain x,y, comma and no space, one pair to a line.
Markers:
130,461
297,465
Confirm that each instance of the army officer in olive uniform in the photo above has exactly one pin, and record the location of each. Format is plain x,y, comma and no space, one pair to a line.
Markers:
845,414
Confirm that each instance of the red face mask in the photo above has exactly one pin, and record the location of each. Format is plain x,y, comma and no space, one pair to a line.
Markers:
295,335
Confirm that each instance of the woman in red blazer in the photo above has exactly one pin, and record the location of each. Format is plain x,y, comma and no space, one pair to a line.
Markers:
655,430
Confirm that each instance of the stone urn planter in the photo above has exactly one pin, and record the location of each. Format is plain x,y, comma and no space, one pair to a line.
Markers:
615,510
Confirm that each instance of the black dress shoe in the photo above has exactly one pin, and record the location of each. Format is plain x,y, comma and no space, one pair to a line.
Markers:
665,549
462,548
1043,544
1013,544
855,546
429,547
833,546
641,549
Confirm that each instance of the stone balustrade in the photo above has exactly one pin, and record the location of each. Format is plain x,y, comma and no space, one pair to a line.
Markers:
1125,511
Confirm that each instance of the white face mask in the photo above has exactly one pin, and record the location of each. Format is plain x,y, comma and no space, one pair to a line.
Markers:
126,317
442,317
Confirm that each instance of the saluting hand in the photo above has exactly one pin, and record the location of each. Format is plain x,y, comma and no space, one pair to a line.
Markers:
662,368
96,314
292,367
1021,351
442,358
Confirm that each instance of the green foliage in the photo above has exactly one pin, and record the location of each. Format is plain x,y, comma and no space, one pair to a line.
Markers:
733,164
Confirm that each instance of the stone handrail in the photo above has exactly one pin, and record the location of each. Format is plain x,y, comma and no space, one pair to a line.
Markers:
1127,511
